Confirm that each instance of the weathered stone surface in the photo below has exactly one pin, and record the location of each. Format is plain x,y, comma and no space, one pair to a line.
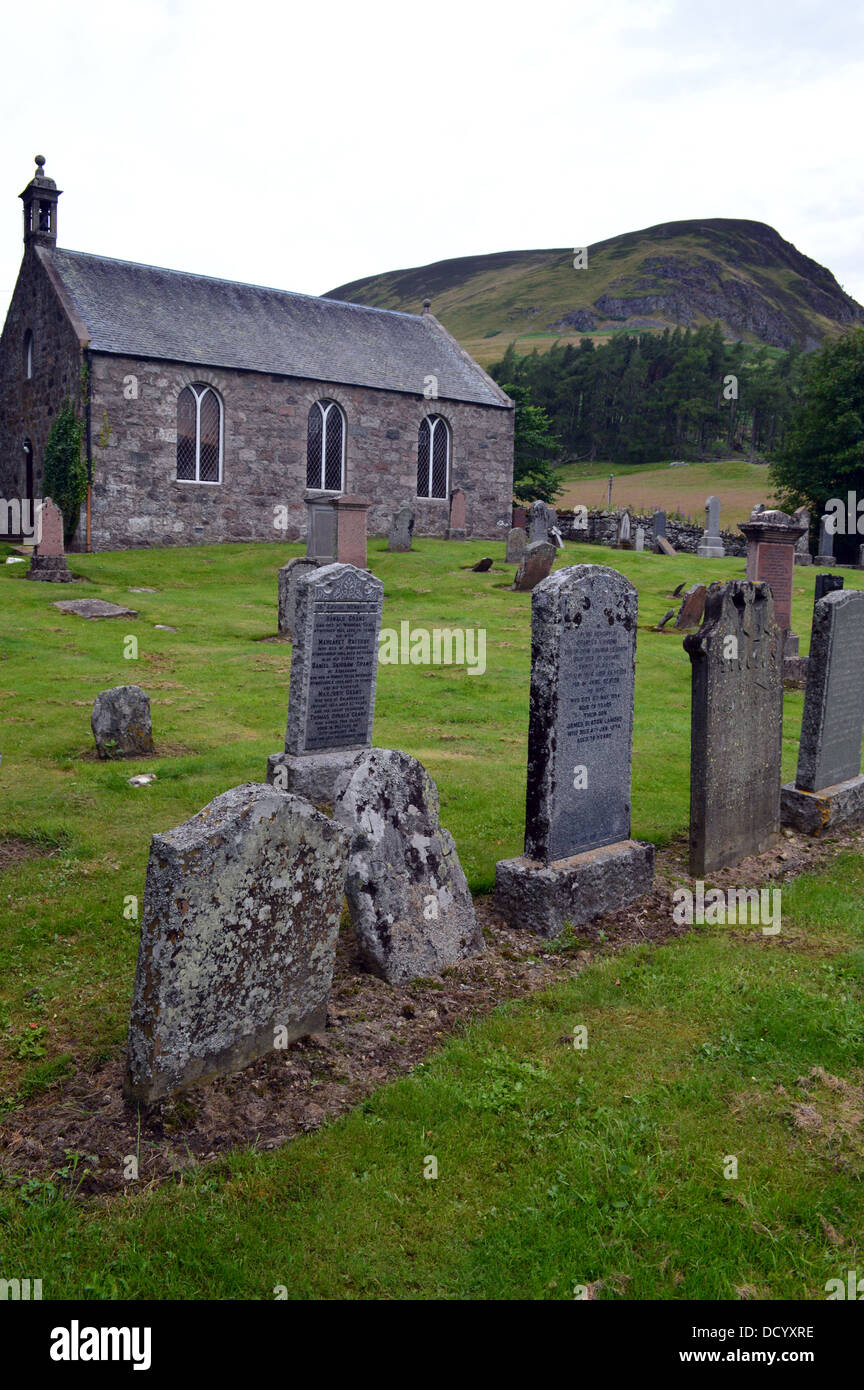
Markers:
94,608
664,547
288,577
517,540
541,519
771,540
802,545
48,562
320,528
826,584
409,899
482,566
711,546
537,562
736,725
825,550
311,775
640,537
659,524
120,721
692,607
833,722
457,530
241,913
546,897
583,658
624,541
351,530
670,613
817,813
401,530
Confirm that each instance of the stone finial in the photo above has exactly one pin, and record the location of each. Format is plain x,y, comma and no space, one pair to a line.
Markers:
427,306
40,164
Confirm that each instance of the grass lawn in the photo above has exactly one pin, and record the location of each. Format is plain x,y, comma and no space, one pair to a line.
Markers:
556,1167
647,487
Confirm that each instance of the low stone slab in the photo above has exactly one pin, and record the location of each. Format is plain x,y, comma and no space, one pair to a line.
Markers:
410,904
815,813
94,608
121,722
241,913
663,547
312,775
544,898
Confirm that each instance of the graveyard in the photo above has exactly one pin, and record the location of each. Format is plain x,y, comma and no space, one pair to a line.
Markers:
309,1169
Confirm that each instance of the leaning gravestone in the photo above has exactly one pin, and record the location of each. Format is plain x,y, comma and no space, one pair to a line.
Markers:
826,584
692,607
537,562
334,666
288,577
121,723
410,904
579,860
828,790
735,726
516,543
48,561
238,937
401,530
711,545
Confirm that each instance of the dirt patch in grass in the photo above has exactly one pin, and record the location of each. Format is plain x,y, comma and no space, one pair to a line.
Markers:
14,851
375,1032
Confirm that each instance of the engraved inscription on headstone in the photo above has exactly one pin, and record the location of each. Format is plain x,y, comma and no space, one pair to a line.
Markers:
833,722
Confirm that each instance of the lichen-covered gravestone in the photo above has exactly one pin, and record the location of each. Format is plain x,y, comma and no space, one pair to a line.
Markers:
541,519
692,607
288,577
401,531
537,561
516,543
238,938
828,790
410,903
735,726
579,860
334,667
121,722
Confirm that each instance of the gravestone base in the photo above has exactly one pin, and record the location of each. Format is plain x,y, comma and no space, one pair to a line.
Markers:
706,551
825,561
459,534
795,669
50,568
311,775
803,559
790,646
815,813
543,897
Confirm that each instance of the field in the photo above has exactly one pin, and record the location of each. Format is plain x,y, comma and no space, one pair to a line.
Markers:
678,491
557,1168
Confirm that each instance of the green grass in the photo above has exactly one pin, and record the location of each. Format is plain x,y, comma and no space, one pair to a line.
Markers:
555,1167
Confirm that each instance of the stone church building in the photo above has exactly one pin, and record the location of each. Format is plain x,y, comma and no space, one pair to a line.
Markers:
211,407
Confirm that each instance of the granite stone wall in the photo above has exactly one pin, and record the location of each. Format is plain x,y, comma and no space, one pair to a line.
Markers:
137,500
603,530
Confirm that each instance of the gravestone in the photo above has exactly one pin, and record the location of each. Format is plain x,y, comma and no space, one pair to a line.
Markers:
659,524
334,666
711,545
825,548
541,519
238,938
483,565
670,613
692,607
771,539
351,530
735,726
861,557
537,562
664,547
827,584
121,723
556,538
579,860
458,516
288,576
640,537
624,541
320,527
94,608
520,518
828,789
410,904
401,530
516,543
48,561
802,545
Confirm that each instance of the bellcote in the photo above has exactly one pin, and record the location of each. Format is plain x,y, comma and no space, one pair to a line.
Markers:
40,208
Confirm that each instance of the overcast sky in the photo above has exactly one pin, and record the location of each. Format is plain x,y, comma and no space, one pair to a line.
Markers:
305,146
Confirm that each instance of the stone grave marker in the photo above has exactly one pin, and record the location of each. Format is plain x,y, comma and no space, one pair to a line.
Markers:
94,608
861,557
711,545
288,576
334,667
537,562
624,541
827,584
664,547
802,545
579,860
541,520
516,543
825,550
320,527
692,607
48,561
410,904
458,516
483,565
351,530
121,722
828,789
238,937
640,537
771,539
735,726
401,530
659,524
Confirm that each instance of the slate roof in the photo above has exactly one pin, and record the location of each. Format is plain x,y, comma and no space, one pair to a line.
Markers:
144,311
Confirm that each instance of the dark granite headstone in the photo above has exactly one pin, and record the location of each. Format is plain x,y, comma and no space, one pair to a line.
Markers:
833,722
483,565
537,562
320,528
827,584
825,548
735,726
659,524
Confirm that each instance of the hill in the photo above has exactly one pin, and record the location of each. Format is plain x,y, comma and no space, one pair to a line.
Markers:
741,273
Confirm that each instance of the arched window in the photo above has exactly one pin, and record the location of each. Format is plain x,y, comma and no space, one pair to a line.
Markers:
28,355
433,457
199,435
325,447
